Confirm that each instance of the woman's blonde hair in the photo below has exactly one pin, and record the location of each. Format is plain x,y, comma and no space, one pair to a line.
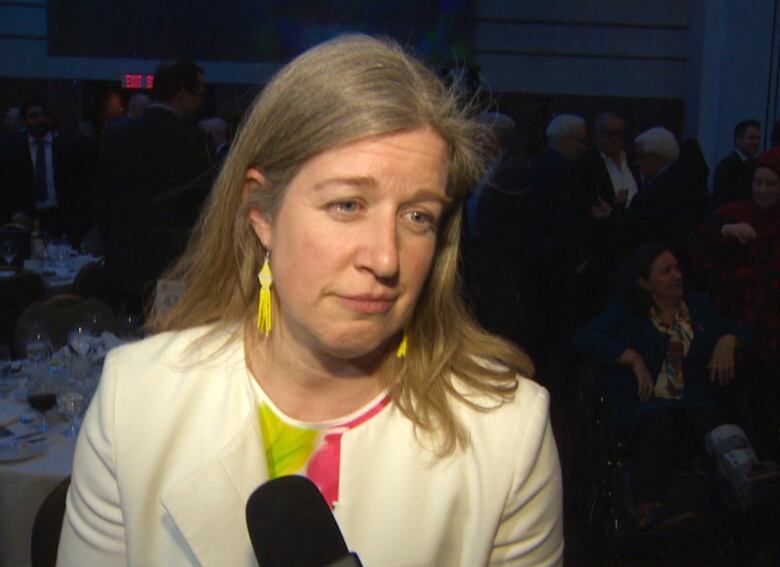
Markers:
349,88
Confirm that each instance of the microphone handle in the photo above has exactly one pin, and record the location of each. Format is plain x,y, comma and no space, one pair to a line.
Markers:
350,560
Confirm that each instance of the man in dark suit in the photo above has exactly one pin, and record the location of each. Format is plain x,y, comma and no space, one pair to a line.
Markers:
549,248
152,177
668,206
43,175
734,173
608,186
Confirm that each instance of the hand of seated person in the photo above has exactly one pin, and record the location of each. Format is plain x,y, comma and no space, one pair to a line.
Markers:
742,231
721,363
645,383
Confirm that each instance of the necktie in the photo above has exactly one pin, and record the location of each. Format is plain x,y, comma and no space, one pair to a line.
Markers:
41,190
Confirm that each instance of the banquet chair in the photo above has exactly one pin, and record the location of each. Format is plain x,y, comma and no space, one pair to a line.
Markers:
46,529
92,243
58,315
16,294
91,281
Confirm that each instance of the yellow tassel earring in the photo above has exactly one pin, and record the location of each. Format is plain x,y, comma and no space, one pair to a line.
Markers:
401,352
264,303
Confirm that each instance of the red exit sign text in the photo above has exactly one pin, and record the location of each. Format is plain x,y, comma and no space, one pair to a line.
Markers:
137,81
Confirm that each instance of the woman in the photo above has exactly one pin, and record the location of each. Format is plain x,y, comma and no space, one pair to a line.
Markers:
358,366
667,355
743,252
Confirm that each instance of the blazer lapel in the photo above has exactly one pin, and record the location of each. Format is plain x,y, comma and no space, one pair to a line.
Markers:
208,507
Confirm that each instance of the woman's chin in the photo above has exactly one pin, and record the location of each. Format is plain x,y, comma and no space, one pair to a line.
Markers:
356,347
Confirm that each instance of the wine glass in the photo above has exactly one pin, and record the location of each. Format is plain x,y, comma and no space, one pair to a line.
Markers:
61,257
80,346
94,322
42,396
131,326
8,251
71,404
38,346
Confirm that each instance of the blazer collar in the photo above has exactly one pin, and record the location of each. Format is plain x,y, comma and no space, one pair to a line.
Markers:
208,506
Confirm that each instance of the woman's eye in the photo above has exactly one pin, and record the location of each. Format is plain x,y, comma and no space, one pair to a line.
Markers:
345,207
422,220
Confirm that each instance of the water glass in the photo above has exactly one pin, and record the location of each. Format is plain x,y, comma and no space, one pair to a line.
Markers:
80,346
71,404
61,257
38,344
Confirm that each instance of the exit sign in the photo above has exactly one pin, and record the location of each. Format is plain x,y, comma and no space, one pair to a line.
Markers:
137,81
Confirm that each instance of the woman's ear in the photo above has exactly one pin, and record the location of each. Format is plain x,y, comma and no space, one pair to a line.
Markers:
260,220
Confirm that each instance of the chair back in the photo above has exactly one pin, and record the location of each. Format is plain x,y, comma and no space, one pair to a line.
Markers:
58,315
91,281
16,294
47,526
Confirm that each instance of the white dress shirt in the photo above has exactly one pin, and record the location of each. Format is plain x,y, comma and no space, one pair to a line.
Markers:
622,177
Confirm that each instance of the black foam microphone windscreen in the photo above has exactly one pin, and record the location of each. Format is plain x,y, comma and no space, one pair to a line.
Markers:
290,524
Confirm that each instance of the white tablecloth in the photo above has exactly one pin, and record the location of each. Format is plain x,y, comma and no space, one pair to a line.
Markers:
25,484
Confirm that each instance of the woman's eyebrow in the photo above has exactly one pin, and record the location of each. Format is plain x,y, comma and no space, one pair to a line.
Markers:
429,195
359,181
367,182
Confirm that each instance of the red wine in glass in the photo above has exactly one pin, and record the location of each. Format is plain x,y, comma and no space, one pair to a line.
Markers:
42,403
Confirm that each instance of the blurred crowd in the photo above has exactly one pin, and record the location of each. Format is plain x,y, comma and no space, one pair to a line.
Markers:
129,188
545,240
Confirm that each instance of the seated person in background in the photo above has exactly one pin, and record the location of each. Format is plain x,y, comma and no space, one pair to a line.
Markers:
742,256
668,355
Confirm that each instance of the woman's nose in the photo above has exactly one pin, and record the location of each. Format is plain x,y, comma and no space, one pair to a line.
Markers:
379,252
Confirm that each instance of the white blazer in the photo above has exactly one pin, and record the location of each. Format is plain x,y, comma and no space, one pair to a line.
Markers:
170,451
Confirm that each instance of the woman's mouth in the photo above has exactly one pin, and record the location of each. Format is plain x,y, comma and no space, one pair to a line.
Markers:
369,303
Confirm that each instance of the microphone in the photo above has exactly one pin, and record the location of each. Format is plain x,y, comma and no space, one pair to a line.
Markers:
290,523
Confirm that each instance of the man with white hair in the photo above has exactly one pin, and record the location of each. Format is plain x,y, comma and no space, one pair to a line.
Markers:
656,150
566,135
553,182
666,207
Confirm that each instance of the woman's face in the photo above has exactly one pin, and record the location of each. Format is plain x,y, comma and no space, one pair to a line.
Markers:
353,241
766,188
665,281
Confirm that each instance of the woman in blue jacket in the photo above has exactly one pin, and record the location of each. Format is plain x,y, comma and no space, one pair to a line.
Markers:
667,355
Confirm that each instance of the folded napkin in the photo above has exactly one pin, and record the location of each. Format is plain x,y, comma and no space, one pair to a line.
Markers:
96,347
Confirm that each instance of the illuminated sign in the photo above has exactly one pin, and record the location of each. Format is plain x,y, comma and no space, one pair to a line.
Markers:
137,81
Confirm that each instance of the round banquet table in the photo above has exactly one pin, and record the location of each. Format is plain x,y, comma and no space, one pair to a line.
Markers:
25,484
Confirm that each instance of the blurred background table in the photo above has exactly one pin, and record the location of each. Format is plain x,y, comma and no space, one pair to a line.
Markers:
25,484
